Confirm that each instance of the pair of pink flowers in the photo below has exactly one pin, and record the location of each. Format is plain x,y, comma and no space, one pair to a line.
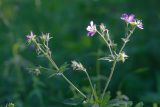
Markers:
131,20
128,18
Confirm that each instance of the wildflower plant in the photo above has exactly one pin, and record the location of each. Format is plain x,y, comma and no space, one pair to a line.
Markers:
93,99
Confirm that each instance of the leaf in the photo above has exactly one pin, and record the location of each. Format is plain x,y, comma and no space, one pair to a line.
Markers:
140,104
106,59
73,101
63,67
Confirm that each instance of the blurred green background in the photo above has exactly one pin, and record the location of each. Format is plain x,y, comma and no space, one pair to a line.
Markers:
66,21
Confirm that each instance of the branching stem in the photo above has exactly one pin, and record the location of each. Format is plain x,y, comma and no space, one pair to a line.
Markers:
56,67
114,63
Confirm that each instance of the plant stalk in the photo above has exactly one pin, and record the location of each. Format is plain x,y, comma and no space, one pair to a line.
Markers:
93,90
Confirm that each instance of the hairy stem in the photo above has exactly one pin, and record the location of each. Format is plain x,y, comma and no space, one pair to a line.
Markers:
109,78
108,45
73,85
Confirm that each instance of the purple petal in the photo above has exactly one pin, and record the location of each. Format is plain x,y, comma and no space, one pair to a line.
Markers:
91,33
128,18
131,18
124,16
28,37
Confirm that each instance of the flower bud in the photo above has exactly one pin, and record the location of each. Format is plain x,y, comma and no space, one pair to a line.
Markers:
103,28
30,38
45,37
122,57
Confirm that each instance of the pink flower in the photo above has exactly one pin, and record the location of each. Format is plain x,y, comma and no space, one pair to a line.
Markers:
128,18
91,29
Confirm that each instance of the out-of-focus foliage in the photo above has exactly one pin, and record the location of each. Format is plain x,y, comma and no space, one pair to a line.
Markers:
66,21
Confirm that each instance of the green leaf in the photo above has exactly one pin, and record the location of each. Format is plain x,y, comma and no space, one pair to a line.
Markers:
140,104
109,59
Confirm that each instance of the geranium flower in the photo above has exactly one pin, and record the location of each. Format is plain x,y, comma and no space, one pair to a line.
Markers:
91,29
128,18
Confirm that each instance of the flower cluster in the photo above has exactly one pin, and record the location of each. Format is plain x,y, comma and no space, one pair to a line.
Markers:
40,43
130,18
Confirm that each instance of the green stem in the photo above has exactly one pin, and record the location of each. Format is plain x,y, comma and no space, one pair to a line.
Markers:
98,72
127,39
73,85
109,79
115,61
93,90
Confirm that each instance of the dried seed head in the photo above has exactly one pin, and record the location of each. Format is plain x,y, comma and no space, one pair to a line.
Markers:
77,66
